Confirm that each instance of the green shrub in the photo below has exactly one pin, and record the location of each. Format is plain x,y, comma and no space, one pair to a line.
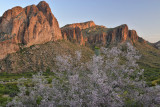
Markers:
9,89
48,70
97,51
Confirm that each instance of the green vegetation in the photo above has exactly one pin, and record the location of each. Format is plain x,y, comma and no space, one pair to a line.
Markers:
32,59
8,84
4,100
8,90
150,62
41,57
97,51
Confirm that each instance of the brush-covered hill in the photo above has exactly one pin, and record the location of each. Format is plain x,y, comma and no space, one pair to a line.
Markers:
149,61
41,57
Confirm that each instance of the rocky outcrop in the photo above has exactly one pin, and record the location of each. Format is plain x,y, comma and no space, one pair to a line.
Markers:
97,39
27,26
118,34
133,35
157,45
84,25
74,35
99,35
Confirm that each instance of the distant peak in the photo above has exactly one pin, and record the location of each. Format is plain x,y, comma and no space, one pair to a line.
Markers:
43,3
17,8
13,12
123,25
82,25
90,22
87,22
44,7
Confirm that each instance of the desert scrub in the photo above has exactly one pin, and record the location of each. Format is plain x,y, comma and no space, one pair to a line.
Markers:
97,51
102,81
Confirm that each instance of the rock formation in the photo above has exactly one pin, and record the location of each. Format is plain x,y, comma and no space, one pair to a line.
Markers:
81,25
73,35
27,26
92,34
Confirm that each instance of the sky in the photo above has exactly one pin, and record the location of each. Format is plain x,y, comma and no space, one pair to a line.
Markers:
140,15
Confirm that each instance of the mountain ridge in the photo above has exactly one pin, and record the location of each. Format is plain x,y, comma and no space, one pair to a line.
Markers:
35,25
82,25
96,34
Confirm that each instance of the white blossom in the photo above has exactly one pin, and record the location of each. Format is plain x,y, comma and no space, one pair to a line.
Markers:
103,81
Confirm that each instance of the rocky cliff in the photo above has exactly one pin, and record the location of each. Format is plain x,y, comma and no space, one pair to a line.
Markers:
27,26
88,33
81,25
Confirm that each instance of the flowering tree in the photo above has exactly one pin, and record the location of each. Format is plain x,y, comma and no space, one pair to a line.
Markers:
110,79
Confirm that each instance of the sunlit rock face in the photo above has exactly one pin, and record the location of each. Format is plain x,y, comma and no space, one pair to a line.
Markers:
84,25
90,33
74,35
27,26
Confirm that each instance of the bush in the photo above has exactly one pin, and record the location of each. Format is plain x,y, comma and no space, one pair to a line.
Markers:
9,89
99,82
3,101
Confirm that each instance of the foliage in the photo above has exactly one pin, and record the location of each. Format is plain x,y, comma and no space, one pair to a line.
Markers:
150,61
3,100
97,51
103,81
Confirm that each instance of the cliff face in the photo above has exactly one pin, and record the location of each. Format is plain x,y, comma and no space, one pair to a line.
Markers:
74,35
99,35
27,26
118,34
84,25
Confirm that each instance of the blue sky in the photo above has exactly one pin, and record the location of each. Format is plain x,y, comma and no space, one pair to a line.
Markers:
140,15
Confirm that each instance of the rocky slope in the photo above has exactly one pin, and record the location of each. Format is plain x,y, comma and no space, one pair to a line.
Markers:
27,26
89,33
41,57
157,45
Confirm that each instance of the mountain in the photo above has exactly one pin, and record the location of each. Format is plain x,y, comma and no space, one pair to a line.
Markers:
27,26
30,40
88,33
